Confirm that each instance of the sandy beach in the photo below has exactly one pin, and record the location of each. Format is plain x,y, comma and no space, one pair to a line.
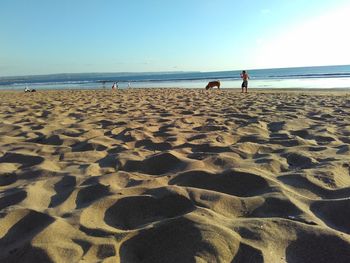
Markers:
175,175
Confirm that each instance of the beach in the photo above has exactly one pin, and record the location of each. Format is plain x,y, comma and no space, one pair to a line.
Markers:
175,175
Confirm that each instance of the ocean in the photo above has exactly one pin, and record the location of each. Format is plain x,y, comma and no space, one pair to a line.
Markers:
301,77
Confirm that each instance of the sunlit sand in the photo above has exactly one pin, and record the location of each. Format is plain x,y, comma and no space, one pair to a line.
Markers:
175,175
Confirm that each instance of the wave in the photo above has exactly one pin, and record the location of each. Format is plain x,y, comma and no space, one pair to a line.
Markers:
50,83
147,77
319,75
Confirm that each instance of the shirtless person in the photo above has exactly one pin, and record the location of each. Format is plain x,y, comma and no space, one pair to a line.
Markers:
245,77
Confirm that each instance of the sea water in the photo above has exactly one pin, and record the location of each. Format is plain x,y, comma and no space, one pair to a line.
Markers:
301,77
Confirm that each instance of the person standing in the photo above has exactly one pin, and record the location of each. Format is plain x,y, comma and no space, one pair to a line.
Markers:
245,77
114,86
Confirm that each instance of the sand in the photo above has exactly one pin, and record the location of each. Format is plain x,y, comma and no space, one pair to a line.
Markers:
175,175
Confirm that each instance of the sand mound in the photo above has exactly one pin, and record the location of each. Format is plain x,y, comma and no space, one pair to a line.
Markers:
201,243
157,164
146,209
230,182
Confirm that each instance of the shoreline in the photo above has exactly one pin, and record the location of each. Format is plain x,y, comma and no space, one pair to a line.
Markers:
259,90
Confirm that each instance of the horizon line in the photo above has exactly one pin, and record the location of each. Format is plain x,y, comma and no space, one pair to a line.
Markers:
163,72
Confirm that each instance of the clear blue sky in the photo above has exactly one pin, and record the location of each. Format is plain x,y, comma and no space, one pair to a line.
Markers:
66,36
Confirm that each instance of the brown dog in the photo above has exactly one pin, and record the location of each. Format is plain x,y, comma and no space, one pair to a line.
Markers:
212,84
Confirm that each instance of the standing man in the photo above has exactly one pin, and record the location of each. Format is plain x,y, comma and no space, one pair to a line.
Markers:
245,77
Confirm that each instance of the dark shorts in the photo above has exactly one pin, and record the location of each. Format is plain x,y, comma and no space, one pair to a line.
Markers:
245,84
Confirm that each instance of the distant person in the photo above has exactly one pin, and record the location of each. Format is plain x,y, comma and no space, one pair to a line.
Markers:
129,86
115,86
245,77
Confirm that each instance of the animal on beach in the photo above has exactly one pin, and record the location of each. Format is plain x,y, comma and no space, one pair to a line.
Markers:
212,84
26,89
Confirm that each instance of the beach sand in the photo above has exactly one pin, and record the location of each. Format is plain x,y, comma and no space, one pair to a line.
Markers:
175,175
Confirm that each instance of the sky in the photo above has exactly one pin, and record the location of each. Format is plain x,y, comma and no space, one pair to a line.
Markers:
76,36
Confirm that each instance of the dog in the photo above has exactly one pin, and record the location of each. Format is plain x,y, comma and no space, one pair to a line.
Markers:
212,84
